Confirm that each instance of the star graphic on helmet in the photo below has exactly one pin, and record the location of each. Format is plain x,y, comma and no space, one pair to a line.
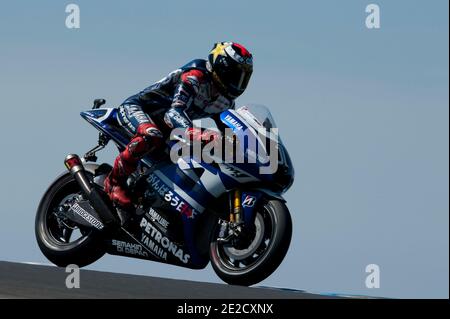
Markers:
218,50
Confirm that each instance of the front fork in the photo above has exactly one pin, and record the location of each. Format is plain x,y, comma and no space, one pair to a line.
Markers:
241,214
235,206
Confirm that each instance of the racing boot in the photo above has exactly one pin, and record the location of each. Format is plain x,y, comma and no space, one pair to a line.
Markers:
116,182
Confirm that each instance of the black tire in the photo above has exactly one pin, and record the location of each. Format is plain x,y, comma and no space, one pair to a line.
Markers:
278,215
81,252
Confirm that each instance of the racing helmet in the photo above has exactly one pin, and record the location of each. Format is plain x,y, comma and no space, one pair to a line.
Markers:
231,66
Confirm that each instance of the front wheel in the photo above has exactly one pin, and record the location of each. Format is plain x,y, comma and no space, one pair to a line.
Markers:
59,239
249,265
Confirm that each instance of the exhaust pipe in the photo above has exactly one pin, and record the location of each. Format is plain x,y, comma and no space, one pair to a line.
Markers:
76,168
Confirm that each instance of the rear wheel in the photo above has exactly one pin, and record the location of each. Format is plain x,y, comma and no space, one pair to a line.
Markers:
59,239
264,252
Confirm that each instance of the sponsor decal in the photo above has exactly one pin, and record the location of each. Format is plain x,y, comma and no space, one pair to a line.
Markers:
234,122
154,216
129,248
177,117
157,250
171,197
249,201
233,171
86,216
159,244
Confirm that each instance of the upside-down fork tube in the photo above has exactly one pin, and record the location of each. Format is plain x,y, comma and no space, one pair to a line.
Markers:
236,210
75,167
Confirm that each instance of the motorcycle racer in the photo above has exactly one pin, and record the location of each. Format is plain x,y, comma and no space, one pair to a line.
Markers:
198,89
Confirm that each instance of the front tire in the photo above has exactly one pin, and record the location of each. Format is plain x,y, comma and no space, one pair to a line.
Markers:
55,235
249,266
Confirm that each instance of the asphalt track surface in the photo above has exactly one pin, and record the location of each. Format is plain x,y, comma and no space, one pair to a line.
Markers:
19,280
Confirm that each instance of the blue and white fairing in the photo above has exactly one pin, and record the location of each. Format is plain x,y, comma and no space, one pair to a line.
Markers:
204,182
190,185
265,157
105,120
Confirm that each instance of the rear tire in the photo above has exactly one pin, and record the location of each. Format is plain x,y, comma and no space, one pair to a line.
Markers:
50,235
251,268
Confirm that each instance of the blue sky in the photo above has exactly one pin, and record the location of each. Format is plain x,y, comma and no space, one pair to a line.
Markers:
363,112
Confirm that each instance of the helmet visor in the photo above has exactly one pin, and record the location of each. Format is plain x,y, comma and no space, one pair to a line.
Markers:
236,78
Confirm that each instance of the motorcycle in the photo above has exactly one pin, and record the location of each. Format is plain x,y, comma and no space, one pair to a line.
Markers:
187,212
